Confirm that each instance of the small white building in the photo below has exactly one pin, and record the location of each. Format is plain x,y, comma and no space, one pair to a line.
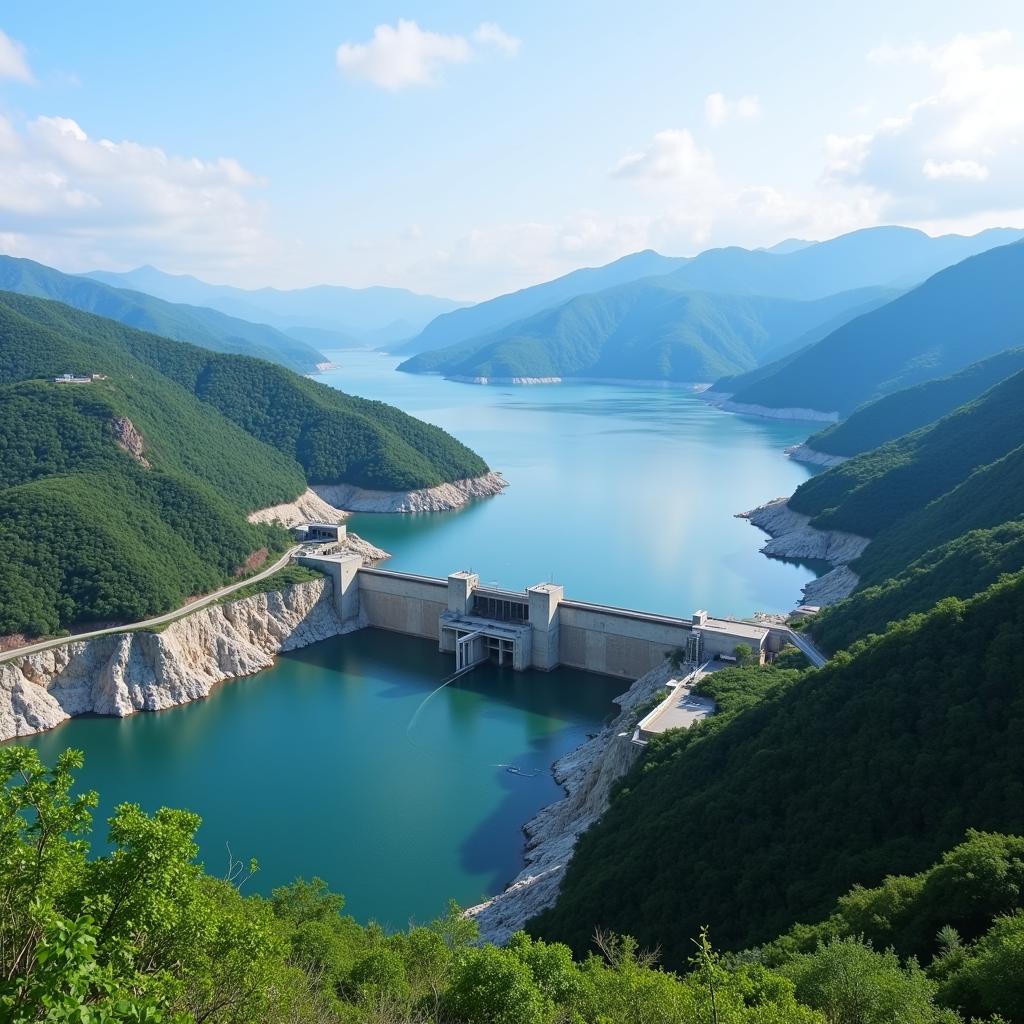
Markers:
320,533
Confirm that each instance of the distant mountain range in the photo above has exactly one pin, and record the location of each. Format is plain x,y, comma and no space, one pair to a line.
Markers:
967,312
207,327
617,320
648,329
367,316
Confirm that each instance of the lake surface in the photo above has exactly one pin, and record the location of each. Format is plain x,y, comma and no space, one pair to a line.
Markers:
345,761
331,764
624,495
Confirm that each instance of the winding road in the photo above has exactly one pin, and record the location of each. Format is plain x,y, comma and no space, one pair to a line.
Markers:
158,620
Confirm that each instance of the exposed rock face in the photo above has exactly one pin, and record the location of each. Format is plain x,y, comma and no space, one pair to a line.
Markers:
307,507
792,536
429,499
369,553
128,672
803,453
723,400
588,774
129,439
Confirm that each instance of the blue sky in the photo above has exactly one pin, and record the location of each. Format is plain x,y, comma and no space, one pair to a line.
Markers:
467,149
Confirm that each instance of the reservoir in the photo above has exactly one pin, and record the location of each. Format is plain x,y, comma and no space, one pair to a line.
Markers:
346,761
624,495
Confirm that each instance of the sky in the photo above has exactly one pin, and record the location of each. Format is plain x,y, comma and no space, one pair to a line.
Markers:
468,149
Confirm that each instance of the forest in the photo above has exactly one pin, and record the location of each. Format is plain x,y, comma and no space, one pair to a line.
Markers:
124,497
144,934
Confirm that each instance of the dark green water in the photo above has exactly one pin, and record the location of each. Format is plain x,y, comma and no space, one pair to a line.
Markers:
322,765
330,764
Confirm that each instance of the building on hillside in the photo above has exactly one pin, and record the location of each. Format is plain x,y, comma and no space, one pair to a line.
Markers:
712,638
320,533
71,378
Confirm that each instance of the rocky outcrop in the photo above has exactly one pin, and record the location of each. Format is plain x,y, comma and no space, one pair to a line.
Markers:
442,498
587,774
127,672
804,453
129,439
792,536
307,507
769,412
369,553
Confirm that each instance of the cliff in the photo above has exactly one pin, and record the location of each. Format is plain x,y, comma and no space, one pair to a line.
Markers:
792,536
127,672
587,774
442,498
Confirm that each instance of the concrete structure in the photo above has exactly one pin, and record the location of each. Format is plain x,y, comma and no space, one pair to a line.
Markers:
320,533
679,710
71,378
533,628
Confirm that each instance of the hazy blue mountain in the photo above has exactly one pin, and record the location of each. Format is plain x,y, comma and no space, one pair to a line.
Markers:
961,315
890,256
645,330
352,311
206,327
493,314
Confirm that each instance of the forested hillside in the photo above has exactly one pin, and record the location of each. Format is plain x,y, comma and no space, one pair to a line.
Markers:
646,330
963,314
769,811
196,324
143,934
123,497
904,411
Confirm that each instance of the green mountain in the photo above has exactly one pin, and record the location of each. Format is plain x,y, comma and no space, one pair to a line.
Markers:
206,327
957,317
122,497
643,330
904,411
807,782
370,315
485,317
889,257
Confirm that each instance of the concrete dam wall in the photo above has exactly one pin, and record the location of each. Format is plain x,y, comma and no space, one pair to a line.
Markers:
535,628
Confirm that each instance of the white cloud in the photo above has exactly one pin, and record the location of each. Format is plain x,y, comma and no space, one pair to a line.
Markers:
672,155
957,150
490,34
963,170
82,202
718,109
12,60
406,55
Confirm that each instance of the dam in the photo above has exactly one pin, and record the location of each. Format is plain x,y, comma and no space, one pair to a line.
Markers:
536,628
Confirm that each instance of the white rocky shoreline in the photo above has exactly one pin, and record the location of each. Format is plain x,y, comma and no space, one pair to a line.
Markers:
792,536
805,453
723,400
122,673
587,774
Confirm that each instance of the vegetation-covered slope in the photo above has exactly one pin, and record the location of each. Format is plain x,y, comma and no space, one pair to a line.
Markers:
874,764
123,497
881,487
195,324
643,330
961,315
903,411
142,934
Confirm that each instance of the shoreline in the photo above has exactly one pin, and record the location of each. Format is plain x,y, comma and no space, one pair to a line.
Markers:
643,382
586,775
791,536
123,673
336,502
803,452
723,400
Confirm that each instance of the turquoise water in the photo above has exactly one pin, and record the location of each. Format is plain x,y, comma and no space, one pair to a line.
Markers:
342,761
624,495
330,764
